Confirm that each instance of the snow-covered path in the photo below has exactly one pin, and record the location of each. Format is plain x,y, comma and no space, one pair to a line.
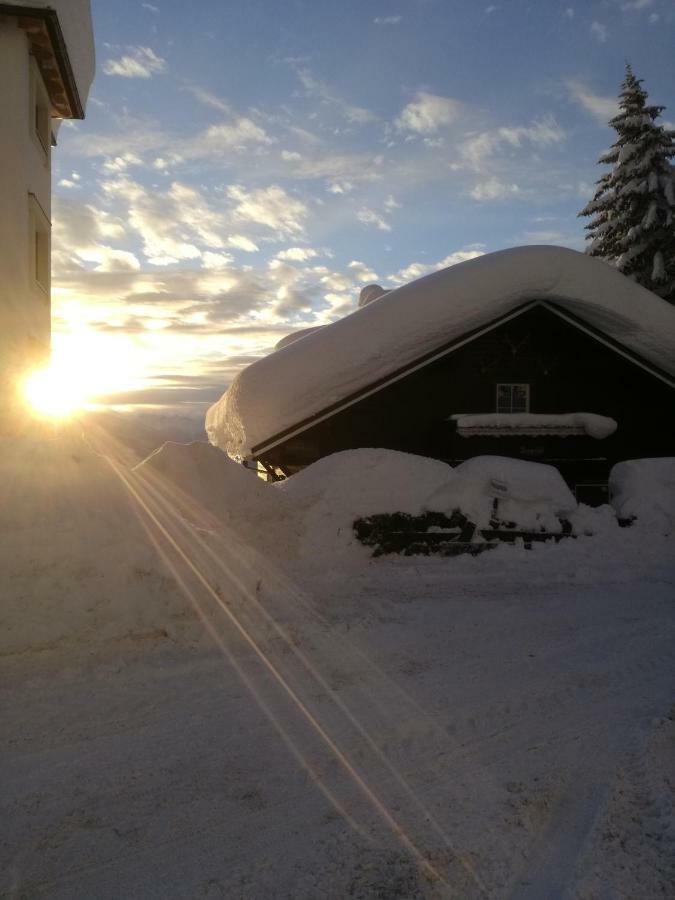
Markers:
490,727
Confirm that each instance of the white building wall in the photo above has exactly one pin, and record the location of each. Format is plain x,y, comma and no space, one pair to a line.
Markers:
25,195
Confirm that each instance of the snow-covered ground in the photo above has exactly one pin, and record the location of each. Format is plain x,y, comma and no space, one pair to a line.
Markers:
209,691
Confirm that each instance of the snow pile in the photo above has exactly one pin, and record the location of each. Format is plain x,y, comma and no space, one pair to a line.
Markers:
497,424
644,489
532,495
343,359
338,489
210,482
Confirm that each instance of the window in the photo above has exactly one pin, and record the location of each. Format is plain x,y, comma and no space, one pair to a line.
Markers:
40,261
41,120
513,398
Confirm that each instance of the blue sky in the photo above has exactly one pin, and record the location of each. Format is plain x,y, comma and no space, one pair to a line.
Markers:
245,168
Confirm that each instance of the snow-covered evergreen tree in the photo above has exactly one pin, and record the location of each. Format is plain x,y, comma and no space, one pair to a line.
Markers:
633,210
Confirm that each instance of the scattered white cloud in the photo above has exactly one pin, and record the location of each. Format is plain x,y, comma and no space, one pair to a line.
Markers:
637,4
490,9
357,115
370,217
493,189
211,260
479,150
291,156
599,31
68,183
139,62
150,7
361,272
241,242
569,12
207,98
387,20
417,269
391,203
428,113
235,135
340,187
120,163
297,254
654,18
601,108
271,207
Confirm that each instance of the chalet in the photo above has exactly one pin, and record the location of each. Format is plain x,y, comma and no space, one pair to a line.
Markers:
46,69
538,353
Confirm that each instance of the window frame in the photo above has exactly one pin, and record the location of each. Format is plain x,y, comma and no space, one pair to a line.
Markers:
39,249
512,385
40,117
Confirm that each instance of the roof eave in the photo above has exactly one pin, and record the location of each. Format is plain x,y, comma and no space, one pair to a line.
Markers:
48,46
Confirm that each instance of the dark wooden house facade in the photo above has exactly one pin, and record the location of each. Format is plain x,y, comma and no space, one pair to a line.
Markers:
536,360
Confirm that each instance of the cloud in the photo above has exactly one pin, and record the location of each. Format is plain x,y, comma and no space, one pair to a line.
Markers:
599,32
172,224
271,207
479,150
417,270
140,62
150,7
427,113
241,242
637,4
370,217
297,254
207,98
601,108
493,189
234,135
387,20
315,88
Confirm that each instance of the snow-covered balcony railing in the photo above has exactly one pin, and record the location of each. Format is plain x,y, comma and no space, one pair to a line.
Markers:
534,425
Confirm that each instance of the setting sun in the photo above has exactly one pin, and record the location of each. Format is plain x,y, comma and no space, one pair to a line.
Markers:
85,366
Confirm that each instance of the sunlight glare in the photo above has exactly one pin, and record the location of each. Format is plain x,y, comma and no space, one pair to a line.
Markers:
85,366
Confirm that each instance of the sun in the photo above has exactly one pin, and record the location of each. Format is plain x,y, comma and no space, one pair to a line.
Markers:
53,394
85,368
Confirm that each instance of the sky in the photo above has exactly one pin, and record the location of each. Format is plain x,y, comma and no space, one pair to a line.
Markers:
244,169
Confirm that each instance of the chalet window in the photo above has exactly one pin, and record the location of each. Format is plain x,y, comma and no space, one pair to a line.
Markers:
41,120
513,398
39,248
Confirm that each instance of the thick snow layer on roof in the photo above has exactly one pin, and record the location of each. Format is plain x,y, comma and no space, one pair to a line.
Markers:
300,380
76,25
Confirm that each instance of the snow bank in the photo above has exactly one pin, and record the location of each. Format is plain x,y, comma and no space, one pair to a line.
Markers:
644,489
213,482
338,489
341,359
532,495
593,425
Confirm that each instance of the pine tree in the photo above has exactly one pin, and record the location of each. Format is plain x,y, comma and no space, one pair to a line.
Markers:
633,210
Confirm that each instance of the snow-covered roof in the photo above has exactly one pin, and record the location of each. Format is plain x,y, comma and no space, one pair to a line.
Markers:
279,392
74,18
